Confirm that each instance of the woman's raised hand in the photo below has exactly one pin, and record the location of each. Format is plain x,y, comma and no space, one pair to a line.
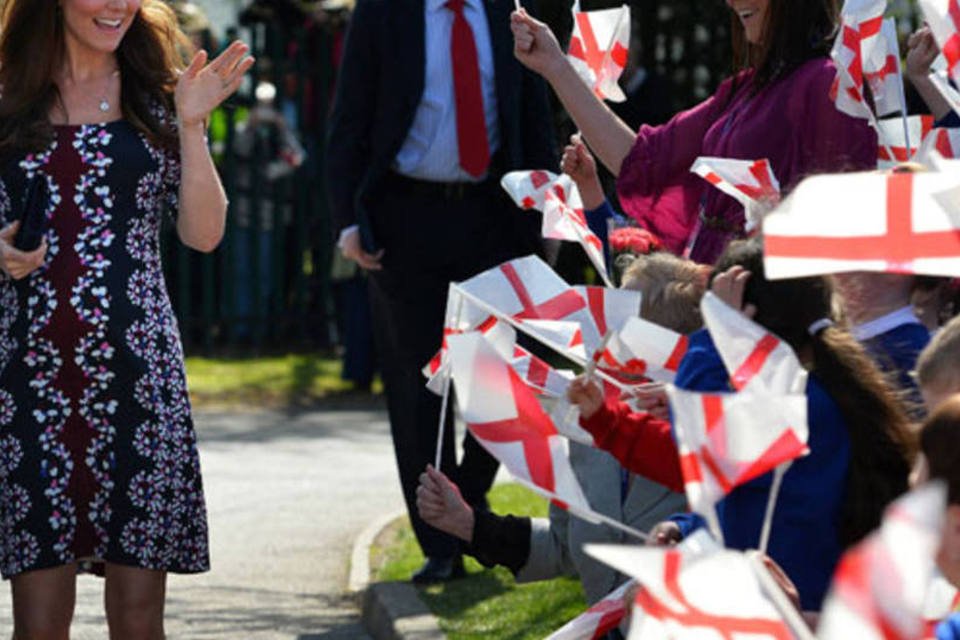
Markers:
202,87
15,263
921,51
534,44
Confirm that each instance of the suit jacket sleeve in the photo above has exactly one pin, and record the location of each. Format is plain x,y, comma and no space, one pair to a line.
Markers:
539,133
355,104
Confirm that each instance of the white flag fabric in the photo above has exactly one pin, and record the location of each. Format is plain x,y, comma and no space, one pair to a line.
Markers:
528,289
946,142
941,601
880,585
756,360
644,348
598,620
558,198
898,223
860,20
725,440
599,48
709,593
750,182
609,308
564,335
462,316
504,416
892,149
943,16
540,376
881,69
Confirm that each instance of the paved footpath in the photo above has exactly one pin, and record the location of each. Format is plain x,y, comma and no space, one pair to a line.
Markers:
287,494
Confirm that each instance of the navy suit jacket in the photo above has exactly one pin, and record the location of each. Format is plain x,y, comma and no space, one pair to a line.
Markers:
379,88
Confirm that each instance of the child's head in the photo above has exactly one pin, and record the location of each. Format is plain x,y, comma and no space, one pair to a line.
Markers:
940,442
672,288
938,366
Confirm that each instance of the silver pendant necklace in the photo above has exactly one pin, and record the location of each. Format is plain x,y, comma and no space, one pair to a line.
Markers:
104,101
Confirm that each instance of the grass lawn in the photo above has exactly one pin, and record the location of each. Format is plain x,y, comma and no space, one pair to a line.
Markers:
487,603
273,381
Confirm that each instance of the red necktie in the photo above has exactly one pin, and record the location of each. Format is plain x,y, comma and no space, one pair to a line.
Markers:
471,120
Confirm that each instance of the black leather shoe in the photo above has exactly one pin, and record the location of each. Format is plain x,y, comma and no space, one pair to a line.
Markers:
439,570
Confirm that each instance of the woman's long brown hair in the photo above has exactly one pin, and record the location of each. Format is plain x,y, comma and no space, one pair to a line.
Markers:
795,31
32,50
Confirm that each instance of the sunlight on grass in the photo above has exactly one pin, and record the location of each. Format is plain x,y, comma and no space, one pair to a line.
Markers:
486,604
293,379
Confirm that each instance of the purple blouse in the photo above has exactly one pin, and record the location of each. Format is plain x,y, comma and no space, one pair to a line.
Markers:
791,122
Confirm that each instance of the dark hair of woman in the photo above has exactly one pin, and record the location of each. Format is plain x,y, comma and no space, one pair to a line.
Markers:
881,444
32,50
796,31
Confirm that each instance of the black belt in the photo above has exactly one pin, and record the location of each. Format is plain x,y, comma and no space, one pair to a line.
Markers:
429,190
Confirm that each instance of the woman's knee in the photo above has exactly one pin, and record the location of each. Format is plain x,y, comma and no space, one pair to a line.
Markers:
134,600
43,603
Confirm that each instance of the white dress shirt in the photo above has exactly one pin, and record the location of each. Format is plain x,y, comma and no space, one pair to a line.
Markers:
430,150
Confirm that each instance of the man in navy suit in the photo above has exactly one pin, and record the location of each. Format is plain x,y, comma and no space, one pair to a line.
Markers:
431,110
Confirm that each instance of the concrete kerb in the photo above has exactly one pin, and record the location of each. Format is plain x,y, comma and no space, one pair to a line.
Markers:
390,610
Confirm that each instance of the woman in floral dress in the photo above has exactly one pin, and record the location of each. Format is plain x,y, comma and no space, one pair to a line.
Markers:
98,458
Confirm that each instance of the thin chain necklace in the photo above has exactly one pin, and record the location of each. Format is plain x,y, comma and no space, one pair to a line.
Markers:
104,99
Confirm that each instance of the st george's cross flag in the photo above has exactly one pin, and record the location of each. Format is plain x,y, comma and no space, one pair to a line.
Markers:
711,593
946,142
540,376
881,70
599,49
880,585
892,148
644,349
528,289
897,223
562,333
728,439
750,182
610,308
756,359
503,414
860,20
462,316
558,198
943,16
598,620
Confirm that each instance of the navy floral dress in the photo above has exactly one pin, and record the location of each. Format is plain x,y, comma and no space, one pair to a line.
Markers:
98,456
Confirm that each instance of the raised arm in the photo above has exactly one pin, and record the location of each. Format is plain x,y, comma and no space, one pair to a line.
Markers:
537,48
202,87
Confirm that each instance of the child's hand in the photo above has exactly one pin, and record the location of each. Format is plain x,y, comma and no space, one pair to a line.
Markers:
586,395
729,287
921,52
579,164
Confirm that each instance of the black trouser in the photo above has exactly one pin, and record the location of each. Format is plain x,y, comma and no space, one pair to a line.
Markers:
432,236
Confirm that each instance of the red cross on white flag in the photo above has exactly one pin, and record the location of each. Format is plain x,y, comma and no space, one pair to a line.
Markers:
881,69
892,139
756,359
943,16
504,416
725,440
610,308
879,588
558,198
898,223
599,48
540,376
689,592
750,182
847,89
644,349
946,142
598,620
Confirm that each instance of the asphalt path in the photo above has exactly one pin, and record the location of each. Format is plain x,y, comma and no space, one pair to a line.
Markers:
287,494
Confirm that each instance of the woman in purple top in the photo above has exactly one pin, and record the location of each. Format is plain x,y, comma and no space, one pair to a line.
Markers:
777,106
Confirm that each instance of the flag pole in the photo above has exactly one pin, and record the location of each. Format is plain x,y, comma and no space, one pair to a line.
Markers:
522,328
778,474
438,458
903,108
588,372
516,4
791,616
